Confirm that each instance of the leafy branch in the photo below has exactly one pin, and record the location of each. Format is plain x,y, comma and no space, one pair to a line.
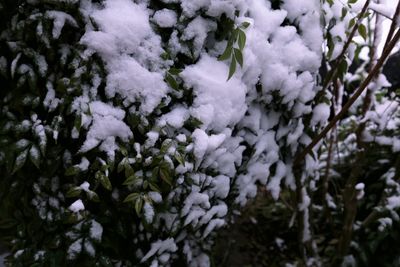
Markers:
234,48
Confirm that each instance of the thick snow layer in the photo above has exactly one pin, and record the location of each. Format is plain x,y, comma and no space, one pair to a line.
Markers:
321,114
128,45
106,125
218,102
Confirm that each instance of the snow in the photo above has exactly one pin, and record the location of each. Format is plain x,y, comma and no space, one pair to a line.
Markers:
382,9
148,212
360,186
160,247
165,18
128,45
74,249
218,103
84,165
155,196
77,206
106,125
175,118
85,186
96,231
59,20
197,30
393,202
321,114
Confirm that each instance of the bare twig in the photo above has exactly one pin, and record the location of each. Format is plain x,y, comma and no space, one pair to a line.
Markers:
333,72
300,157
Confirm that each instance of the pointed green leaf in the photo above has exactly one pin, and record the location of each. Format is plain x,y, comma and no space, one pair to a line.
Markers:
362,30
232,68
138,205
93,196
131,197
239,57
74,192
165,146
174,71
234,36
131,180
154,187
121,165
128,170
145,184
73,170
20,160
245,25
165,175
241,39
34,156
105,182
180,158
124,151
172,82
226,54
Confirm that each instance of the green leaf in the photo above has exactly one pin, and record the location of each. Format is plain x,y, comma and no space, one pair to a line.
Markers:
342,69
128,170
352,1
234,36
34,156
232,68
174,71
154,187
93,196
20,161
138,205
73,170
165,174
166,144
145,184
352,22
131,180
344,12
172,82
124,151
121,165
239,57
180,158
245,25
241,39
74,192
226,54
105,182
362,30
131,197
22,145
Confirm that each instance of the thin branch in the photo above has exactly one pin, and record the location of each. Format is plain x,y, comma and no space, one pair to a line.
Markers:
333,72
351,101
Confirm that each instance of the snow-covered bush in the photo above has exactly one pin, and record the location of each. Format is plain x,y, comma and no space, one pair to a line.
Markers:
132,130
124,133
